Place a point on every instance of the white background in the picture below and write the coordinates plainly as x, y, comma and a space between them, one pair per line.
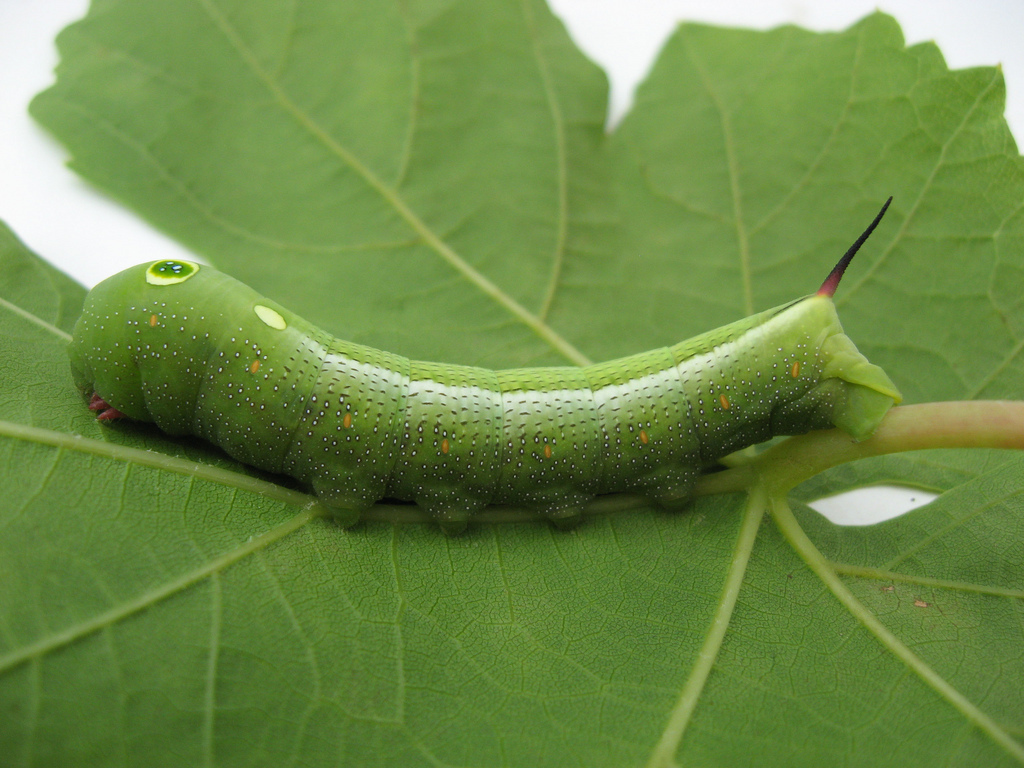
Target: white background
90, 236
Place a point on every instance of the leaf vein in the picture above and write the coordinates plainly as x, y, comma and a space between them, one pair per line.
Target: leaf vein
732, 164
210, 694
810, 554
850, 290
394, 200
883, 574
561, 166
206, 213
147, 599
25, 314
664, 752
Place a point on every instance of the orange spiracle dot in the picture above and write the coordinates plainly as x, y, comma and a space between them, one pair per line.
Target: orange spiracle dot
643, 437
347, 421
795, 370
547, 451
255, 366
444, 445
152, 321
724, 401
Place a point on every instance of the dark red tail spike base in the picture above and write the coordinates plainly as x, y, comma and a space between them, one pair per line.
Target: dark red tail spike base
828, 288
106, 411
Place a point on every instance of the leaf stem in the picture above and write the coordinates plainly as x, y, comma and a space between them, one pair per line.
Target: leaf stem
956, 424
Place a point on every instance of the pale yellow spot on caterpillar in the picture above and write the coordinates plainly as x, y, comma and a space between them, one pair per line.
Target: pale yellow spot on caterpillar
724, 401
643, 437
270, 317
347, 421
547, 451
255, 366
795, 370
444, 445
152, 321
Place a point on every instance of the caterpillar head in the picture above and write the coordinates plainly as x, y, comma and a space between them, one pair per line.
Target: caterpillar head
141, 344
108, 347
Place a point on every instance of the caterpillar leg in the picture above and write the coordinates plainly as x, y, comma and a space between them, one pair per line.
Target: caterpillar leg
344, 516
106, 411
563, 509
453, 521
567, 518
670, 488
674, 499
451, 511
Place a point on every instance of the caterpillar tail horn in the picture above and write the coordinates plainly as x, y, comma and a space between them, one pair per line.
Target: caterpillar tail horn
828, 288
872, 393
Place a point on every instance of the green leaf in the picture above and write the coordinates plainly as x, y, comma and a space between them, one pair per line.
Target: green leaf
435, 178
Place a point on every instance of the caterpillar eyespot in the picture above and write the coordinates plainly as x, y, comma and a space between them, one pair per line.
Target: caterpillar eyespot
351, 421
170, 272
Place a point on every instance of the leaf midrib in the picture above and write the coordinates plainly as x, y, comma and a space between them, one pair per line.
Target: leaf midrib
663, 755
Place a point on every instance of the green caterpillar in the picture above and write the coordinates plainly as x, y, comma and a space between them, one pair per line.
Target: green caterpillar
198, 353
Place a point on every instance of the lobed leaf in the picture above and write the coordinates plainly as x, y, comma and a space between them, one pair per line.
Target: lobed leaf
434, 177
